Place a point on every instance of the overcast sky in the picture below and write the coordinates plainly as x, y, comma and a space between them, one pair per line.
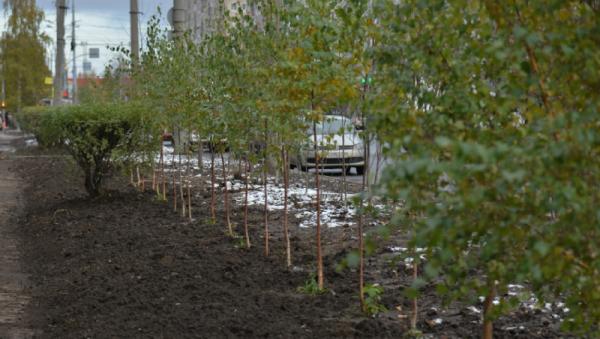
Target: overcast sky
99, 23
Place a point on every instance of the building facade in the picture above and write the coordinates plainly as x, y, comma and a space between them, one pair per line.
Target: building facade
203, 17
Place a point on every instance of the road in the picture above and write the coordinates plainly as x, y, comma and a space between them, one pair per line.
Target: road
337, 173
373, 167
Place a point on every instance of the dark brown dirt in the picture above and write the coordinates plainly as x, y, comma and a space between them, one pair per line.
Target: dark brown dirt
127, 266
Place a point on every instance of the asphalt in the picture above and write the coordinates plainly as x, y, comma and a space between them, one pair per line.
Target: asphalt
375, 165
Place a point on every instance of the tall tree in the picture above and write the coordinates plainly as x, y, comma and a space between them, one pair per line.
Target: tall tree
23, 54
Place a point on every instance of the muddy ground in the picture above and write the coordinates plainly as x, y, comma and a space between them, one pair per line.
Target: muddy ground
127, 266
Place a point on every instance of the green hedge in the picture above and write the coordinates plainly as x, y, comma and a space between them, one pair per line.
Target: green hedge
94, 134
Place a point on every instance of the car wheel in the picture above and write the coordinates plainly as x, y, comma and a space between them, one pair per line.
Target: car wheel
348, 170
360, 170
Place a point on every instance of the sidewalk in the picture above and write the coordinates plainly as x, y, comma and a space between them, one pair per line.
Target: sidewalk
13, 281
8, 141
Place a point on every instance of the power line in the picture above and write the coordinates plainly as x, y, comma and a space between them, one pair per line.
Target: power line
103, 26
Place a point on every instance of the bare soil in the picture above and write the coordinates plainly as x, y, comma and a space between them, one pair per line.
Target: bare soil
127, 266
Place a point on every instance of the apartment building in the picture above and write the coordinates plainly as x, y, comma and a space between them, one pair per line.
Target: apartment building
202, 17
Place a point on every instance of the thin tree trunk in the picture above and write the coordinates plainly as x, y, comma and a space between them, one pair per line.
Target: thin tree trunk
361, 245
153, 177
201, 156
286, 183
247, 170
139, 181
228, 219
266, 211
344, 168
361, 263
320, 278
212, 186
378, 161
201, 165
183, 203
415, 306
174, 185
367, 171
189, 196
488, 326
189, 185
161, 165
163, 176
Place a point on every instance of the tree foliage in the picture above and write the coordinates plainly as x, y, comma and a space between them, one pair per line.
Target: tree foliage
23, 54
488, 112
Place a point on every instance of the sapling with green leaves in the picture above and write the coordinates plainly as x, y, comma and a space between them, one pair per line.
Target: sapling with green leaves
321, 80
494, 149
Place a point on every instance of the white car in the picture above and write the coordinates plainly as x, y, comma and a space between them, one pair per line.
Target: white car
338, 145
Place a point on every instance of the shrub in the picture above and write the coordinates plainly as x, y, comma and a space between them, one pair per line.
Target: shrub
93, 134
30, 119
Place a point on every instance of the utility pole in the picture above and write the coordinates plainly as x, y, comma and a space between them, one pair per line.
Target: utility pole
60, 50
84, 46
3, 85
135, 39
73, 45
179, 18
179, 9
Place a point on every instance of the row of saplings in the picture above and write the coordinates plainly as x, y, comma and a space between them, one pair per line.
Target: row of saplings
102, 137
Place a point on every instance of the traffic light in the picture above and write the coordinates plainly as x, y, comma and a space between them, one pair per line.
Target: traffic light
366, 80
2, 104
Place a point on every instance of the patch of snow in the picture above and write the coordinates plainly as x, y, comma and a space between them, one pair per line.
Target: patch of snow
474, 309
300, 202
404, 249
31, 142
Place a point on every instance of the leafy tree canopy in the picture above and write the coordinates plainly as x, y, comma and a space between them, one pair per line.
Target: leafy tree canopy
23, 54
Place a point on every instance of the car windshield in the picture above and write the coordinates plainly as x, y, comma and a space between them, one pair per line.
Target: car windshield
333, 126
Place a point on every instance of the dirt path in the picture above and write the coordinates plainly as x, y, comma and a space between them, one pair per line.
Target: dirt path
13, 281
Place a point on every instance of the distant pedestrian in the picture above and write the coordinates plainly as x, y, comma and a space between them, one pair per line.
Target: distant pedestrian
7, 120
